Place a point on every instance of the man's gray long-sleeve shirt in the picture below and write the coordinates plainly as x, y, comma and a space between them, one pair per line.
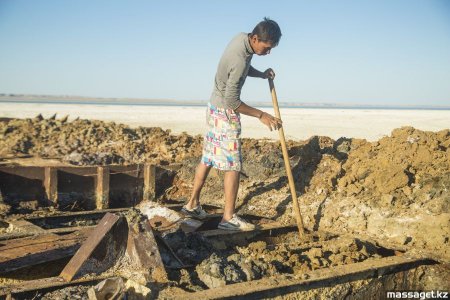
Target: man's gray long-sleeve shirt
231, 73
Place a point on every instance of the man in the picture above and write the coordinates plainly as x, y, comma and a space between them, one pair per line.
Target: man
222, 145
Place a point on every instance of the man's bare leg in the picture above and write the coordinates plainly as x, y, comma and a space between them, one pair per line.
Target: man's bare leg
201, 173
231, 186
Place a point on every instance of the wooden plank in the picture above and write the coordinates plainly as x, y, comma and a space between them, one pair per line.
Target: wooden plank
131, 170
79, 170
47, 283
26, 172
282, 285
51, 184
79, 213
91, 214
63, 230
25, 226
149, 183
95, 237
19, 253
172, 167
144, 253
33, 241
102, 188
20, 229
259, 228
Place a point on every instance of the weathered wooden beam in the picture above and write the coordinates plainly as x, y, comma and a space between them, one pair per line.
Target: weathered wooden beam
131, 170
25, 226
79, 170
149, 182
144, 253
259, 228
20, 253
63, 230
57, 221
68, 214
26, 172
280, 285
46, 284
102, 188
51, 184
85, 251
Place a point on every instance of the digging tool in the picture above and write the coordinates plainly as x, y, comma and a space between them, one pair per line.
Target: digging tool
287, 164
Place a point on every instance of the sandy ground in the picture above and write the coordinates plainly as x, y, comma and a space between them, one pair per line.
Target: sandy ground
393, 191
299, 123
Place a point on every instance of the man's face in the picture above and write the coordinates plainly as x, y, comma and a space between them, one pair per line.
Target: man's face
260, 47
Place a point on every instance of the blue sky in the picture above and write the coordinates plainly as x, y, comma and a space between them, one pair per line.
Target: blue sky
353, 52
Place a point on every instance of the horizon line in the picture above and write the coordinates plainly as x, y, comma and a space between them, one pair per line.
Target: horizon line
42, 98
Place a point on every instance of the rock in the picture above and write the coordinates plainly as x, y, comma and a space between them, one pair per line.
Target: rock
74, 158
210, 271
387, 200
38, 118
344, 147
247, 266
29, 205
4, 209
64, 119
391, 179
315, 252
354, 189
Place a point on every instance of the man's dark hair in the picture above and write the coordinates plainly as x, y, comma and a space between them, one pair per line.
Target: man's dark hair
268, 31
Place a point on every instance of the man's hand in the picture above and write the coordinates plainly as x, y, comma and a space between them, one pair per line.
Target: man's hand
270, 121
269, 73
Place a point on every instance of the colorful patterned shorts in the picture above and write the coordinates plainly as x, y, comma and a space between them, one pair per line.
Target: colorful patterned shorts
222, 143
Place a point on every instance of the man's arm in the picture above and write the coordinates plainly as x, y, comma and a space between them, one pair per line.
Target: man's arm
267, 119
232, 89
252, 72
269, 73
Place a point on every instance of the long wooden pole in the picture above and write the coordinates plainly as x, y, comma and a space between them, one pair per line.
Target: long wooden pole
287, 164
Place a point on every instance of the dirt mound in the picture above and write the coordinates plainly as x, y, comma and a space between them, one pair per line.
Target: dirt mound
86, 142
395, 189
397, 164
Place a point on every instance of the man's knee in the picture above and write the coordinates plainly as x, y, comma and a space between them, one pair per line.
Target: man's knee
232, 174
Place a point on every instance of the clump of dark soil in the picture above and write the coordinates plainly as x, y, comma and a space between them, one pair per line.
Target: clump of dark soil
218, 263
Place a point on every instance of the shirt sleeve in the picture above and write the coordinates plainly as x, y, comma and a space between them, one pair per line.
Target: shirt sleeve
233, 86
252, 72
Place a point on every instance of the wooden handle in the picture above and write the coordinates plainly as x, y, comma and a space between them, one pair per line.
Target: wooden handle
287, 164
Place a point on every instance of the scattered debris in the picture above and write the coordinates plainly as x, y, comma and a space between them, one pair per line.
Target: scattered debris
108, 289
